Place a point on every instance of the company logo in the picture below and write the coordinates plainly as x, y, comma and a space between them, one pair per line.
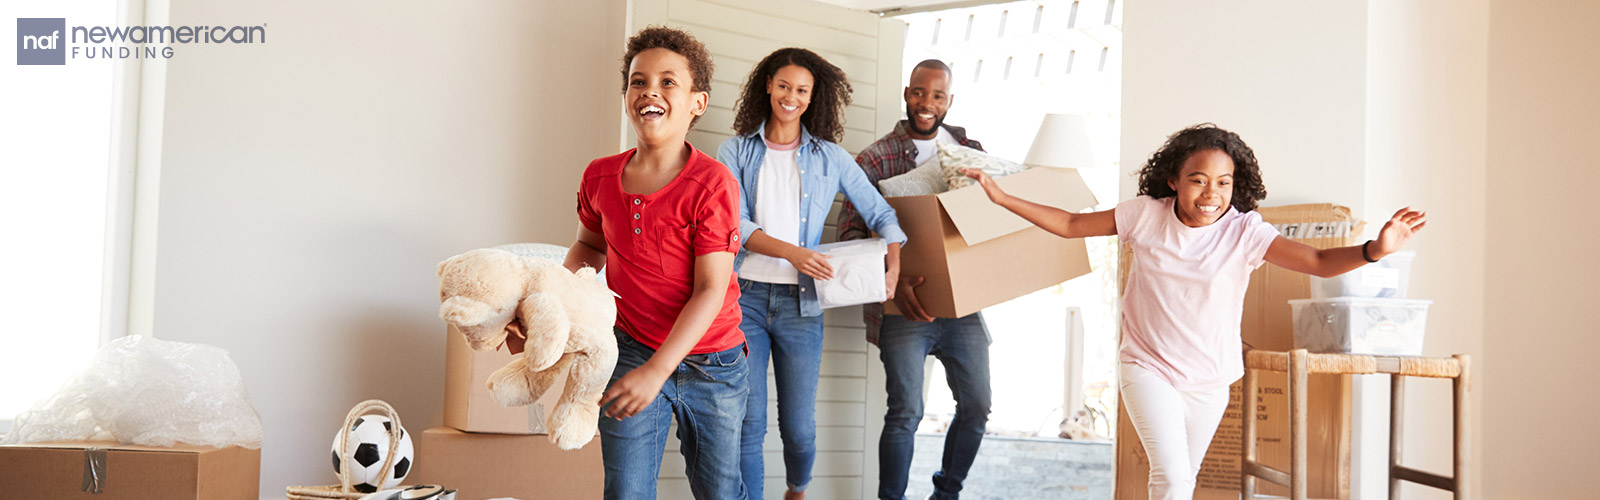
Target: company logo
48, 41
41, 41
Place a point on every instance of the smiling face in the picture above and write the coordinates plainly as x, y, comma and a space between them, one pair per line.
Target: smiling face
1204, 187
790, 92
927, 100
660, 102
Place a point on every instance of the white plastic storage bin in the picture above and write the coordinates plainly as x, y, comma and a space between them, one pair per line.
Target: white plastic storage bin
1360, 326
1387, 279
858, 273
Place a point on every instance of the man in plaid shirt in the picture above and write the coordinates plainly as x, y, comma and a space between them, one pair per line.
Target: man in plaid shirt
904, 342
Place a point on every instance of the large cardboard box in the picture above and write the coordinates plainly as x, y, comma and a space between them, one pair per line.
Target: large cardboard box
67, 470
974, 254
467, 403
483, 466
1268, 324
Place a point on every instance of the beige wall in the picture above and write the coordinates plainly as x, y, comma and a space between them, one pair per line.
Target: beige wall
1426, 106
1371, 105
310, 185
1540, 398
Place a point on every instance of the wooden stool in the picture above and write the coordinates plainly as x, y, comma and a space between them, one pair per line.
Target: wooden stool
1300, 364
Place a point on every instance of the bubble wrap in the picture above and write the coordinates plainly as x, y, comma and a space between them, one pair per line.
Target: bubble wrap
144, 391
544, 251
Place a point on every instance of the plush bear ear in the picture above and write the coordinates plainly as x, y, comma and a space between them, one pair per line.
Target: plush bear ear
440, 270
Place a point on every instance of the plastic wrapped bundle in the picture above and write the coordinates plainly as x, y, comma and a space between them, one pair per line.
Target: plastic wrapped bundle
544, 251
144, 391
858, 273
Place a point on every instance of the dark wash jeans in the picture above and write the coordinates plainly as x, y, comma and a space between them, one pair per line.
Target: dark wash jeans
962, 345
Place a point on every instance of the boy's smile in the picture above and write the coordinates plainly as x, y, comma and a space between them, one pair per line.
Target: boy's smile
661, 99
1204, 187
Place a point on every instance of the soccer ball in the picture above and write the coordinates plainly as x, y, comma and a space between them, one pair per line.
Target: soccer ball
367, 446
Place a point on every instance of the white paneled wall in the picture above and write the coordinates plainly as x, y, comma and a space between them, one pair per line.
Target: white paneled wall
868, 49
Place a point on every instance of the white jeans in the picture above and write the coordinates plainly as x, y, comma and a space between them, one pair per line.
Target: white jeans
1175, 427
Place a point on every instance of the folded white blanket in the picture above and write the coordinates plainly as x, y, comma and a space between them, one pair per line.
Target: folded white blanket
858, 273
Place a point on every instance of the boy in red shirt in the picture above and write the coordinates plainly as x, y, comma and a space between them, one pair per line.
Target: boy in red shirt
665, 217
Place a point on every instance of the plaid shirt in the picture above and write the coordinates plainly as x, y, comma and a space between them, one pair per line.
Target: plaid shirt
892, 155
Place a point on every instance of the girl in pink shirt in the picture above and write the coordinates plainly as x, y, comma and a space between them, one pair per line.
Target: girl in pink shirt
1196, 237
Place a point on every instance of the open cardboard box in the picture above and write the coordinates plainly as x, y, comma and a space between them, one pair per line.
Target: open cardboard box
483, 466
467, 403
974, 254
1268, 323
59, 470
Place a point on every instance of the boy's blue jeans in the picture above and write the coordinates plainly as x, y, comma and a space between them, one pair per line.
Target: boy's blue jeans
962, 344
707, 393
774, 327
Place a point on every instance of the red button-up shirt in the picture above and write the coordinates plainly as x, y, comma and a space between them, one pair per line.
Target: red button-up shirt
653, 239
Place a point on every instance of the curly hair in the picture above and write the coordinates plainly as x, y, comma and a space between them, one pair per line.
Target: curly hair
677, 41
830, 94
1167, 162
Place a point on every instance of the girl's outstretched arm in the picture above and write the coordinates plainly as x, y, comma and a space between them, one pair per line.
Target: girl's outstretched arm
1330, 262
1057, 221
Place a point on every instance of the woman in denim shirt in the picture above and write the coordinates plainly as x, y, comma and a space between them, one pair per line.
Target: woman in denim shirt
789, 167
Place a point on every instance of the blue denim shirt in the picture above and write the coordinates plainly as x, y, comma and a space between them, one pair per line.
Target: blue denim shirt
825, 170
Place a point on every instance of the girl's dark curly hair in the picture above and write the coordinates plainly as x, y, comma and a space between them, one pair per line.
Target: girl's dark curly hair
1167, 162
830, 94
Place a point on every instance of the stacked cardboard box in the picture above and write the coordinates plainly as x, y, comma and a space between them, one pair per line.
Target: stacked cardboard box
490, 451
1268, 324
112, 471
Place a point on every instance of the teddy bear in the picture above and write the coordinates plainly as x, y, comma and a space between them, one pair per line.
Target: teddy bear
494, 296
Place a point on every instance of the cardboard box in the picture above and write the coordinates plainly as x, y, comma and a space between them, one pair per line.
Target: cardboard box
483, 466
467, 403
60, 470
961, 243
1268, 324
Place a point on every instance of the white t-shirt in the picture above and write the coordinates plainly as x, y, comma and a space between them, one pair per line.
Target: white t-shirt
777, 212
927, 151
1185, 293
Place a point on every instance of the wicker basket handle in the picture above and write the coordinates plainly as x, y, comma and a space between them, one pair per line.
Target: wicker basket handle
363, 408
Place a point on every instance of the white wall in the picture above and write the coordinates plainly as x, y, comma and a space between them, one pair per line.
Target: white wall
1537, 382
310, 185
1371, 105
1288, 77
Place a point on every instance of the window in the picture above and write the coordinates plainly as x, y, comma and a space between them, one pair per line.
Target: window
1035, 386
56, 158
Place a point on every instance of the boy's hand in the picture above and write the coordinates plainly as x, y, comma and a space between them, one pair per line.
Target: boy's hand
996, 195
633, 392
907, 301
1398, 230
813, 264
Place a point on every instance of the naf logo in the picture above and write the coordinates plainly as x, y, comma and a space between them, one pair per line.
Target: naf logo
41, 41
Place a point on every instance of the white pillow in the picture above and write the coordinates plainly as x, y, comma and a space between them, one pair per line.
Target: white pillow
955, 157
926, 179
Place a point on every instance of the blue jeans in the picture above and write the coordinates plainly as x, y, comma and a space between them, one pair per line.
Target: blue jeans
962, 344
773, 326
707, 394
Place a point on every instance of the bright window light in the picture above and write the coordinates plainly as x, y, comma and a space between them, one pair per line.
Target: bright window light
54, 166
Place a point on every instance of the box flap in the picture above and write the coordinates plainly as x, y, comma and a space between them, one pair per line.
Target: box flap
979, 220
115, 446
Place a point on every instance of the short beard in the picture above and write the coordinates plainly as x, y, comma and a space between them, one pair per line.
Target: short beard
911, 123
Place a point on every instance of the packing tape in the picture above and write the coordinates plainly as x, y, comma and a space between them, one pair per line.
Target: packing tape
94, 470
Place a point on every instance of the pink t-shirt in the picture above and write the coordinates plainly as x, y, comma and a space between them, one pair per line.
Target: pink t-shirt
1185, 293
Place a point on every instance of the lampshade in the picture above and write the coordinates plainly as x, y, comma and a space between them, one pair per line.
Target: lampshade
1062, 142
